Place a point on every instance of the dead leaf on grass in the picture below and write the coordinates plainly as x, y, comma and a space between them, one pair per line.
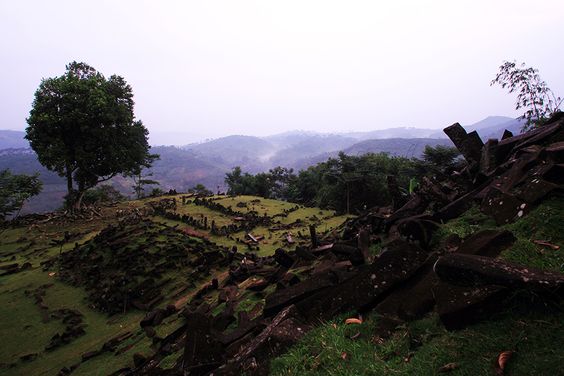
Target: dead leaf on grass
448, 367
355, 336
502, 360
353, 321
547, 244
377, 340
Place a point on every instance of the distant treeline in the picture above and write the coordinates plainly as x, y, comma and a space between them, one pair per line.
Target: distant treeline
346, 183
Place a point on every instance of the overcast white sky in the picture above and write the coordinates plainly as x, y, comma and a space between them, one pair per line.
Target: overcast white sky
211, 68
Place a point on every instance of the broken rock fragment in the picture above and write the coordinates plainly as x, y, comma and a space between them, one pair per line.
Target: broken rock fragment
471, 270
399, 262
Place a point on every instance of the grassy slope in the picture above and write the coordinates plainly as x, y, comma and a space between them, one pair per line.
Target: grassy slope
422, 347
21, 323
24, 333
535, 336
326, 220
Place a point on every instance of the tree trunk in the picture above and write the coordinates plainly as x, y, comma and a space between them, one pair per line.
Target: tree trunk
69, 180
78, 202
71, 194
348, 198
79, 195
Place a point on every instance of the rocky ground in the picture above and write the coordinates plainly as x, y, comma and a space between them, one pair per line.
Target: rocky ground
464, 276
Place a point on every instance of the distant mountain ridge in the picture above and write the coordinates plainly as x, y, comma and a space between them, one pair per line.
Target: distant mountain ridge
12, 140
208, 162
492, 126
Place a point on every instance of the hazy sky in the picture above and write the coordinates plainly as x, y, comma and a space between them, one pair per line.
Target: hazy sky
209, 68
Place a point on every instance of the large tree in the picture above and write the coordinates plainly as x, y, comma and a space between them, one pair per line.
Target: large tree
82, 126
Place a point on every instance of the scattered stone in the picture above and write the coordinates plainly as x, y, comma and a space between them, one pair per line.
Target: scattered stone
305, 254
399, 262
202, 352
139, 360
313, 236
364, 244
283, 258
471, 270
486, 243
459, 306
280, 299
89, 355
74, 328
28, 357
347, 252
119, 272
469, 144
284, 330
414, 298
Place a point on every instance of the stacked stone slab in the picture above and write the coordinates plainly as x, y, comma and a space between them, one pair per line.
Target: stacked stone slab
462, 280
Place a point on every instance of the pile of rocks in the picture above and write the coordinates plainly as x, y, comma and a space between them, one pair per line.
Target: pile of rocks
461, 279
125, 265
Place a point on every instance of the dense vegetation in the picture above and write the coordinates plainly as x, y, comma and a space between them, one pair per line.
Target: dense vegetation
346, 184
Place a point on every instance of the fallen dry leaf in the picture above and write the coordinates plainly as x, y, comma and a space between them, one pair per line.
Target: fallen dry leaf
355, 336
52, 274
547, 244
344, 355
353, 321
334, 326
377, 340
448, 367
503, 358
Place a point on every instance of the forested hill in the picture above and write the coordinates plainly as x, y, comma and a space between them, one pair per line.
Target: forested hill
182, 169
12, 140
207, 163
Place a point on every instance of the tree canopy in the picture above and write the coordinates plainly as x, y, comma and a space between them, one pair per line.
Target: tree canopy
82, 126
346, 183
271, 184
440, 156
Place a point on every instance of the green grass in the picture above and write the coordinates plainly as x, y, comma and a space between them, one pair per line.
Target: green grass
324, 221
425, 343
21, 324
542, 223
169, 361
422, 347
467, 224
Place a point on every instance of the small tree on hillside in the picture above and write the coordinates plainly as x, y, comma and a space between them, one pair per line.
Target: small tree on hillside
82, 126
440, 156
239, 183
200, 190
140, 180
102, 194
15, 190
533, 94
